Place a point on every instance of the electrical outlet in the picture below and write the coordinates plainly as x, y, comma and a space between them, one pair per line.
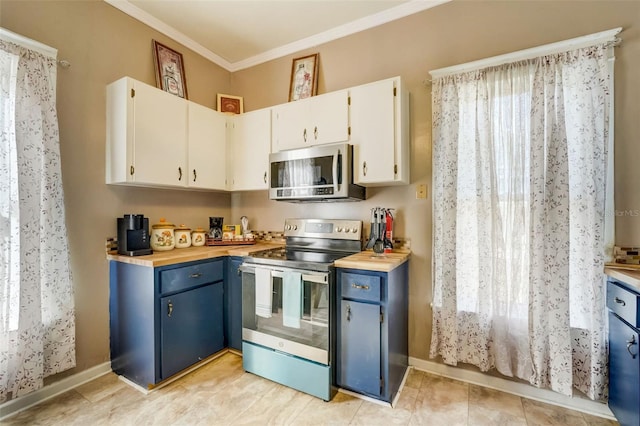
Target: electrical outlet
421, 191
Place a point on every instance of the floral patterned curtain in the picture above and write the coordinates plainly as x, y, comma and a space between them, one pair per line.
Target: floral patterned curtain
520, 161
37, 322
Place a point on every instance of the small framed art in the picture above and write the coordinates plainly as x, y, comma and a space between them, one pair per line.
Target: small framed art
304, 77
230, 104
169, 70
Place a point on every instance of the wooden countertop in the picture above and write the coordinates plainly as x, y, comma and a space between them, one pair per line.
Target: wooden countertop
369, 261
170, 257
631, 277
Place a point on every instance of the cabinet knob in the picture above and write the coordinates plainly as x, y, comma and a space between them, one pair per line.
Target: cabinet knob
364, 168
632, 342
179, 173
619, 301
169, 308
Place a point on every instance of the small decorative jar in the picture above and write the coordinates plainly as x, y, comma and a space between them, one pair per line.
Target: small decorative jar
198, 237
162, 236
183, 236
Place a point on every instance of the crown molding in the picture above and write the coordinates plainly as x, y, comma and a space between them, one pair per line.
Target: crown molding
144, 17
400, 11
405, 9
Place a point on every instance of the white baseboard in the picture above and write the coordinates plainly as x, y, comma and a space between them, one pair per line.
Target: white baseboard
14, 406
521, 389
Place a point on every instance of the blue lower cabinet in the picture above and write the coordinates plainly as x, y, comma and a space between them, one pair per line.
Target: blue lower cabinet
624, 356
233, 303
164, 319
191, 327
372, 331
359, 362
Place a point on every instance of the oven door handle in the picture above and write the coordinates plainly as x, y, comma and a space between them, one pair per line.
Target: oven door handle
320, 278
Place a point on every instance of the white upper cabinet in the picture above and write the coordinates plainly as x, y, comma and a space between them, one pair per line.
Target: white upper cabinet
146, 133
249, 144
206, 147
312, 121
380, 133
155, 138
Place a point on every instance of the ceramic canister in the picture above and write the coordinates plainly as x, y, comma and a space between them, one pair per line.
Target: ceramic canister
183, 236
162, 236
198, 237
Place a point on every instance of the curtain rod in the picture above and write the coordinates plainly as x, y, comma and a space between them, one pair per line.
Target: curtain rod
23, 41
547, 49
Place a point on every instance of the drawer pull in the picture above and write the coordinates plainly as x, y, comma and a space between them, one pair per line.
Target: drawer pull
632, 342
169, 308
196, 275
619, 301
360, 286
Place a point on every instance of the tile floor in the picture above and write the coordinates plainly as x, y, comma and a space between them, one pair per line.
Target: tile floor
221, 393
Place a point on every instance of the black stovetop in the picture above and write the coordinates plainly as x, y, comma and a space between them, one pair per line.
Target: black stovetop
296, 258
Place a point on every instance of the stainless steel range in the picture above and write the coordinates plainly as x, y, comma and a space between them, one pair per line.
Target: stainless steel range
288, 304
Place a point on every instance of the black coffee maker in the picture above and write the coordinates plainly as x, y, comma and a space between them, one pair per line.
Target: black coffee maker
133, 235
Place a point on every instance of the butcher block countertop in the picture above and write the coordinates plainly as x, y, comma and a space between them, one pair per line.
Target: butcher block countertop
369, 261
170, 257
631, 277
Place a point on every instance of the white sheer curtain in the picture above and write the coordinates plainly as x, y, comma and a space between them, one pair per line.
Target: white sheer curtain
37, 323
520, 163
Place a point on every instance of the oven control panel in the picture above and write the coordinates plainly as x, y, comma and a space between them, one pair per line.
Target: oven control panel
323, 228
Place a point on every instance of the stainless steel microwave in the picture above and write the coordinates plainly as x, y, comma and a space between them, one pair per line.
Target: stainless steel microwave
319, 173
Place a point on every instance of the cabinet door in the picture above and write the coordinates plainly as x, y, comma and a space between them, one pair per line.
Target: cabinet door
373, 132
251, 145
359, 360
290, 125
234, 304
329, 118
160, 134
313, 121
206, 148
624, 372
191, 327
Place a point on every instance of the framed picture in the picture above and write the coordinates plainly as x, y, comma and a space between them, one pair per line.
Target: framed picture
304, 77
230, 104
169, 70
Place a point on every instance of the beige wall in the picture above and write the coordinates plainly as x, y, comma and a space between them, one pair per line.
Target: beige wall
103, 44
447, 35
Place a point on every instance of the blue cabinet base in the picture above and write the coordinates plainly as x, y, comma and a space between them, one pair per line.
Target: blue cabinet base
291, 371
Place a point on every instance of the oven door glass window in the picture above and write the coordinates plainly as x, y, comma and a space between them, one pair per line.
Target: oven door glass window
287, 310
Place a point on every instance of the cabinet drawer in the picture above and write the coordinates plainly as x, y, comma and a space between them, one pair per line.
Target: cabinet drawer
189, 276
361, 287
623, 302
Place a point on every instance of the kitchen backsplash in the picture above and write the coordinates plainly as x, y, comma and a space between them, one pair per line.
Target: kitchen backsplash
111, 245
627, 255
